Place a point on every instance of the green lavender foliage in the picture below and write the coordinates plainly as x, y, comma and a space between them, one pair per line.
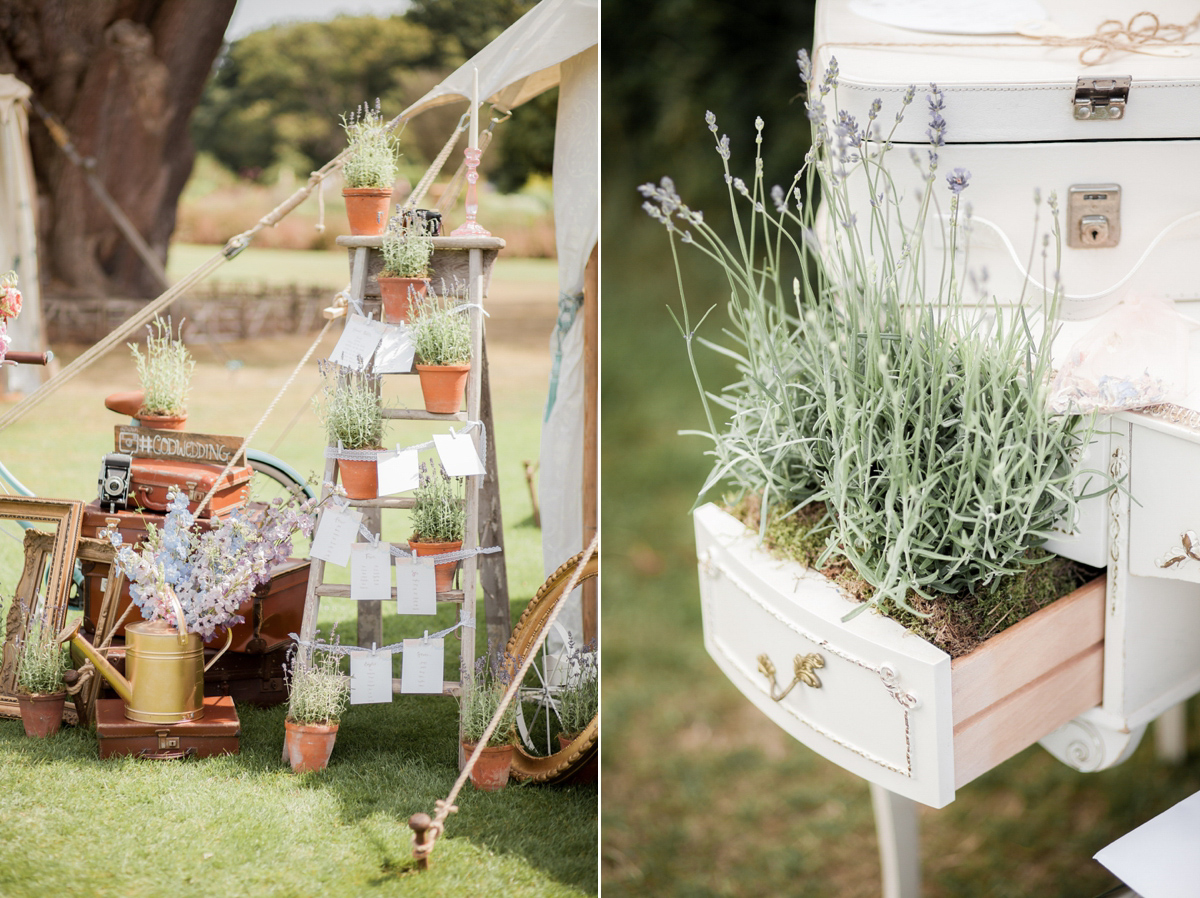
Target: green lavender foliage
867, 384
374, 149
479, 703
319, 691
406, 253
438, 512
441, 332
350, 408
579, 699
165, 370
43, 661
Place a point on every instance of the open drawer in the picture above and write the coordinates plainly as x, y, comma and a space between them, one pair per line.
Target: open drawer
870, 696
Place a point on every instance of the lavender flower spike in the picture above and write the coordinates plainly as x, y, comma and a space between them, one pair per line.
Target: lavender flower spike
958, 180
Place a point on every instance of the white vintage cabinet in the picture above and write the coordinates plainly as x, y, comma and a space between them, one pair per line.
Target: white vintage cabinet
1118, 143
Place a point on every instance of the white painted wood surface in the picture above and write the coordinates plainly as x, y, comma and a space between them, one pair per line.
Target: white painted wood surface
898, 831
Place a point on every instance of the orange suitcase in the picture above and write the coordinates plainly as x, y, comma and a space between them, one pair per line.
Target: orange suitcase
152, 478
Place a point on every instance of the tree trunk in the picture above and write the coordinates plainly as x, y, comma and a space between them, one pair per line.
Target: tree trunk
123, 77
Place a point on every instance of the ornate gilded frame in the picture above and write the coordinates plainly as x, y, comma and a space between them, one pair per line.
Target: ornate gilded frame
49, 563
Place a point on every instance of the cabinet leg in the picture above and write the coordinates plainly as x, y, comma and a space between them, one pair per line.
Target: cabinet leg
1170, 735
899, 843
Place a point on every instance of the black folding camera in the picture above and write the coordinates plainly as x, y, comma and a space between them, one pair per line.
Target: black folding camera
426, 221
115, 474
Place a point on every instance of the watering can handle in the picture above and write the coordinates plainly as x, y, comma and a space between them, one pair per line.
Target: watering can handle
224, 648
180, 617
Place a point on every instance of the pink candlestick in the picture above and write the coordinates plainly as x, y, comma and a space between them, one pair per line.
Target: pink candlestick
470, 227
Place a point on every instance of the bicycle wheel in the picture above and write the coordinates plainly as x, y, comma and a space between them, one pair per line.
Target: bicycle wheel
273, 478
537, 696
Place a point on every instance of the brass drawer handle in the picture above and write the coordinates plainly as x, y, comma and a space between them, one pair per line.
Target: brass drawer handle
804, 665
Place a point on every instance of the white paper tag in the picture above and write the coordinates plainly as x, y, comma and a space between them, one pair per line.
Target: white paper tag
416, 592
357, 343
395, 352
398, 471
421, 668
370, 572
458, 454
370, 677
336, 532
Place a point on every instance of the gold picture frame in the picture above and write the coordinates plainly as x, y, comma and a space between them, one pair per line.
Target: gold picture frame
45, 579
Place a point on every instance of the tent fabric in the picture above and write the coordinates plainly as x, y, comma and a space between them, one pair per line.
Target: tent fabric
524, 60
576, 230
18, 232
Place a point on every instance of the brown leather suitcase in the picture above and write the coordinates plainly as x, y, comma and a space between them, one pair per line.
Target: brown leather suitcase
152, 478
253, 679
216, 733
276, 609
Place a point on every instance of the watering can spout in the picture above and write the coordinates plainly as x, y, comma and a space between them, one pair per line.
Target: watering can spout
72, 635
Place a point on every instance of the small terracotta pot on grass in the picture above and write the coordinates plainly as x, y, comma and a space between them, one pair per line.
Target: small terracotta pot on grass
360, 478
399, 296
443, 573
490, 773
307, 746
42, 715
367, 209
443, 387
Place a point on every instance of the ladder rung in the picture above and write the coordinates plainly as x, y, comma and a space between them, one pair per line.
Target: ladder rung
342, 591
383, 502
419, 414
449, 687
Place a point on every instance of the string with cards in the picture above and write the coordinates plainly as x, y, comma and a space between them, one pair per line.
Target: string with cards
337, 648
472, 465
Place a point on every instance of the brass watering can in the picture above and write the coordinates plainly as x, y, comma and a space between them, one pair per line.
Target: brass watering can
164, 668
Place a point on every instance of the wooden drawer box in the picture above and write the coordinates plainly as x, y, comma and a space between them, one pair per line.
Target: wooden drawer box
890, 707
1166, 501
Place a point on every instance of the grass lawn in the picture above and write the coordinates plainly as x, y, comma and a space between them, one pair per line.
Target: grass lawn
245, 825
703, 796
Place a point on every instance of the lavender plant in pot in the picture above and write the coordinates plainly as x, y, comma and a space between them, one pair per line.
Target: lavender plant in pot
442, 340
165, 372
478, 705
41, 694
352, 413
405, 275
369, 170
319, 695
438, 519
893, 444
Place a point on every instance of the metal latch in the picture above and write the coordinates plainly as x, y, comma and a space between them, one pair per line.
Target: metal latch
1101, 99
1093, 215
166, 741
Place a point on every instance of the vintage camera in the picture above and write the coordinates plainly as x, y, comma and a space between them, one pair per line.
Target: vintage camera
115, 475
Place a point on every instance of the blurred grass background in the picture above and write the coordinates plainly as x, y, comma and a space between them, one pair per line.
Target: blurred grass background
701, 794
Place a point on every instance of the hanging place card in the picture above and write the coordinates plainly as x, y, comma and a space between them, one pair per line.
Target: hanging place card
416, 592
335, 535
370, 572
458, 455
370, 677
357, 343
395, 353
398, 471
422, 667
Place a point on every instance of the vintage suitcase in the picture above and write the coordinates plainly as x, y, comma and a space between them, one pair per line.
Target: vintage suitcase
275, 611
1022, 115
152, 478
216, 733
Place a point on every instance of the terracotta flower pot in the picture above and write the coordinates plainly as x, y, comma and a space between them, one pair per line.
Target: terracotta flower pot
443, 387
360, 479
307, 746
443, 573
367, 209
162, 422
42, 714
490, 773
399, 295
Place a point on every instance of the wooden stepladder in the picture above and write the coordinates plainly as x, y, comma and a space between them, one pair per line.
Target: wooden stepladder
460, 268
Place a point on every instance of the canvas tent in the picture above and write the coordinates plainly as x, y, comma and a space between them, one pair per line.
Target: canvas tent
554, 43
18, 232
